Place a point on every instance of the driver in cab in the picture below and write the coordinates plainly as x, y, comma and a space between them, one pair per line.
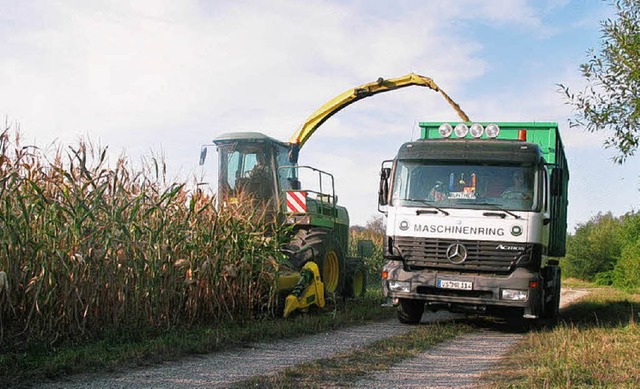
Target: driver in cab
260, 181
519, 190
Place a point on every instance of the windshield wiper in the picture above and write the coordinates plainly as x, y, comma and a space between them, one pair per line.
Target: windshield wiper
430, 204
497, 207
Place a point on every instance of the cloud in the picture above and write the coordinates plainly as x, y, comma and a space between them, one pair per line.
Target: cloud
130, 72
173, 75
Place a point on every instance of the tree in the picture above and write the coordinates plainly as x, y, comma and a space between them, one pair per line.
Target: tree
626, 274
594, 248
611, 100
377, 225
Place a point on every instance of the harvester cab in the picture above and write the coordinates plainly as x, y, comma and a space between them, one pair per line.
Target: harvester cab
267, 171
249, 162
255, 167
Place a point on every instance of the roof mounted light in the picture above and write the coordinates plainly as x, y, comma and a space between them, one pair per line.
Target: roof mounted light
476, 130
461, 130
492, 131
445, 130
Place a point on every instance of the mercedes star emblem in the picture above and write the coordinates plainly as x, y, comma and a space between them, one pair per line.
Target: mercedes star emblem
456, 253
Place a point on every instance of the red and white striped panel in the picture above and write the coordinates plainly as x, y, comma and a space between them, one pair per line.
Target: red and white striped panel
297, 202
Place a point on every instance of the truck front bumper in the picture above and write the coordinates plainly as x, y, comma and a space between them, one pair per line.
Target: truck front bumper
465, 292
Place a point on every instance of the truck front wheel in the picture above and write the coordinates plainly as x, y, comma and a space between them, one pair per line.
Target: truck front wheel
410, 311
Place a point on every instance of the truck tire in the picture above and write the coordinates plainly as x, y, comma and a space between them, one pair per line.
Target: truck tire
410, 311
356, 285
552, 307
322, 247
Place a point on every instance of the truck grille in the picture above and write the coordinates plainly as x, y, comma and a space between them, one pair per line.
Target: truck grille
481, 256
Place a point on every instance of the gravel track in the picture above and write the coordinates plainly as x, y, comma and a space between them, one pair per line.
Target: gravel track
221, 369
457, 363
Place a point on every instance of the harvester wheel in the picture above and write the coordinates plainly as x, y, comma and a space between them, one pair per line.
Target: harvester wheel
357, 281
297, 257
322, 247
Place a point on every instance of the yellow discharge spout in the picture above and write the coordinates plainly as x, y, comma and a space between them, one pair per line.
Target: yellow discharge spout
299, 138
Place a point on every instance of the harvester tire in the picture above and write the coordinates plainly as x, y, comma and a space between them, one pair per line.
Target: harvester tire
410, 311
356, 285
322, 247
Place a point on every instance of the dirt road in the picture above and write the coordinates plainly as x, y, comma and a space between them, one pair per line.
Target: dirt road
457, 363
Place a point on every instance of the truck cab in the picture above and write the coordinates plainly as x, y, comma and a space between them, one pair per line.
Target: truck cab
473, 218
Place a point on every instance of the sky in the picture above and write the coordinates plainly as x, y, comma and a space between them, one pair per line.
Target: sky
165, 77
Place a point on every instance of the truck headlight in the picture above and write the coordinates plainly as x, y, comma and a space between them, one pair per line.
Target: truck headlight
399, 286
514, 294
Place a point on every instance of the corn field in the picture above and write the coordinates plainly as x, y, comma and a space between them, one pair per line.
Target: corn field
374, 263
86, 249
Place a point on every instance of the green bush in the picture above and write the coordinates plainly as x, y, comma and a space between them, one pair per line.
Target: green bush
594, 248
627, 272
606, 250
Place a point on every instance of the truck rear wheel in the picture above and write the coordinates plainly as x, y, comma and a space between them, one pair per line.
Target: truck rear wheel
322, 247
410, 311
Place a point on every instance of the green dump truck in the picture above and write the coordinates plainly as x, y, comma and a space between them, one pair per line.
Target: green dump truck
476, 213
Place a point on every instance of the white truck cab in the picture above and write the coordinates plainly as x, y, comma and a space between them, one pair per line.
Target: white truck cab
473, 219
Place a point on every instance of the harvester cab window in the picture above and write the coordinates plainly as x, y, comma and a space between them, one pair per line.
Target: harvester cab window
287, 174
247, 168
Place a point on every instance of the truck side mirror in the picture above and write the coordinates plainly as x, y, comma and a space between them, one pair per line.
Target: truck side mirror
383, 191
203, 155
556, 182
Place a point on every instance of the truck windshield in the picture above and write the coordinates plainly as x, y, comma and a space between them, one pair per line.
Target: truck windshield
474, 186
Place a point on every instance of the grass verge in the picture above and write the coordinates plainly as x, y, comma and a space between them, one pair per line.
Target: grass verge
346, 368
129, 349
596, 345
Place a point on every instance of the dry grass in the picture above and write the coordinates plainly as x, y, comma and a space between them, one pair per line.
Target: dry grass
596, 346
576, 283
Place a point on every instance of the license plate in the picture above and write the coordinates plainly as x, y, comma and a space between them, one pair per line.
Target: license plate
451, 284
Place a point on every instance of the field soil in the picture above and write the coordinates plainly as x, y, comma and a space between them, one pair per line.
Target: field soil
456, 363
